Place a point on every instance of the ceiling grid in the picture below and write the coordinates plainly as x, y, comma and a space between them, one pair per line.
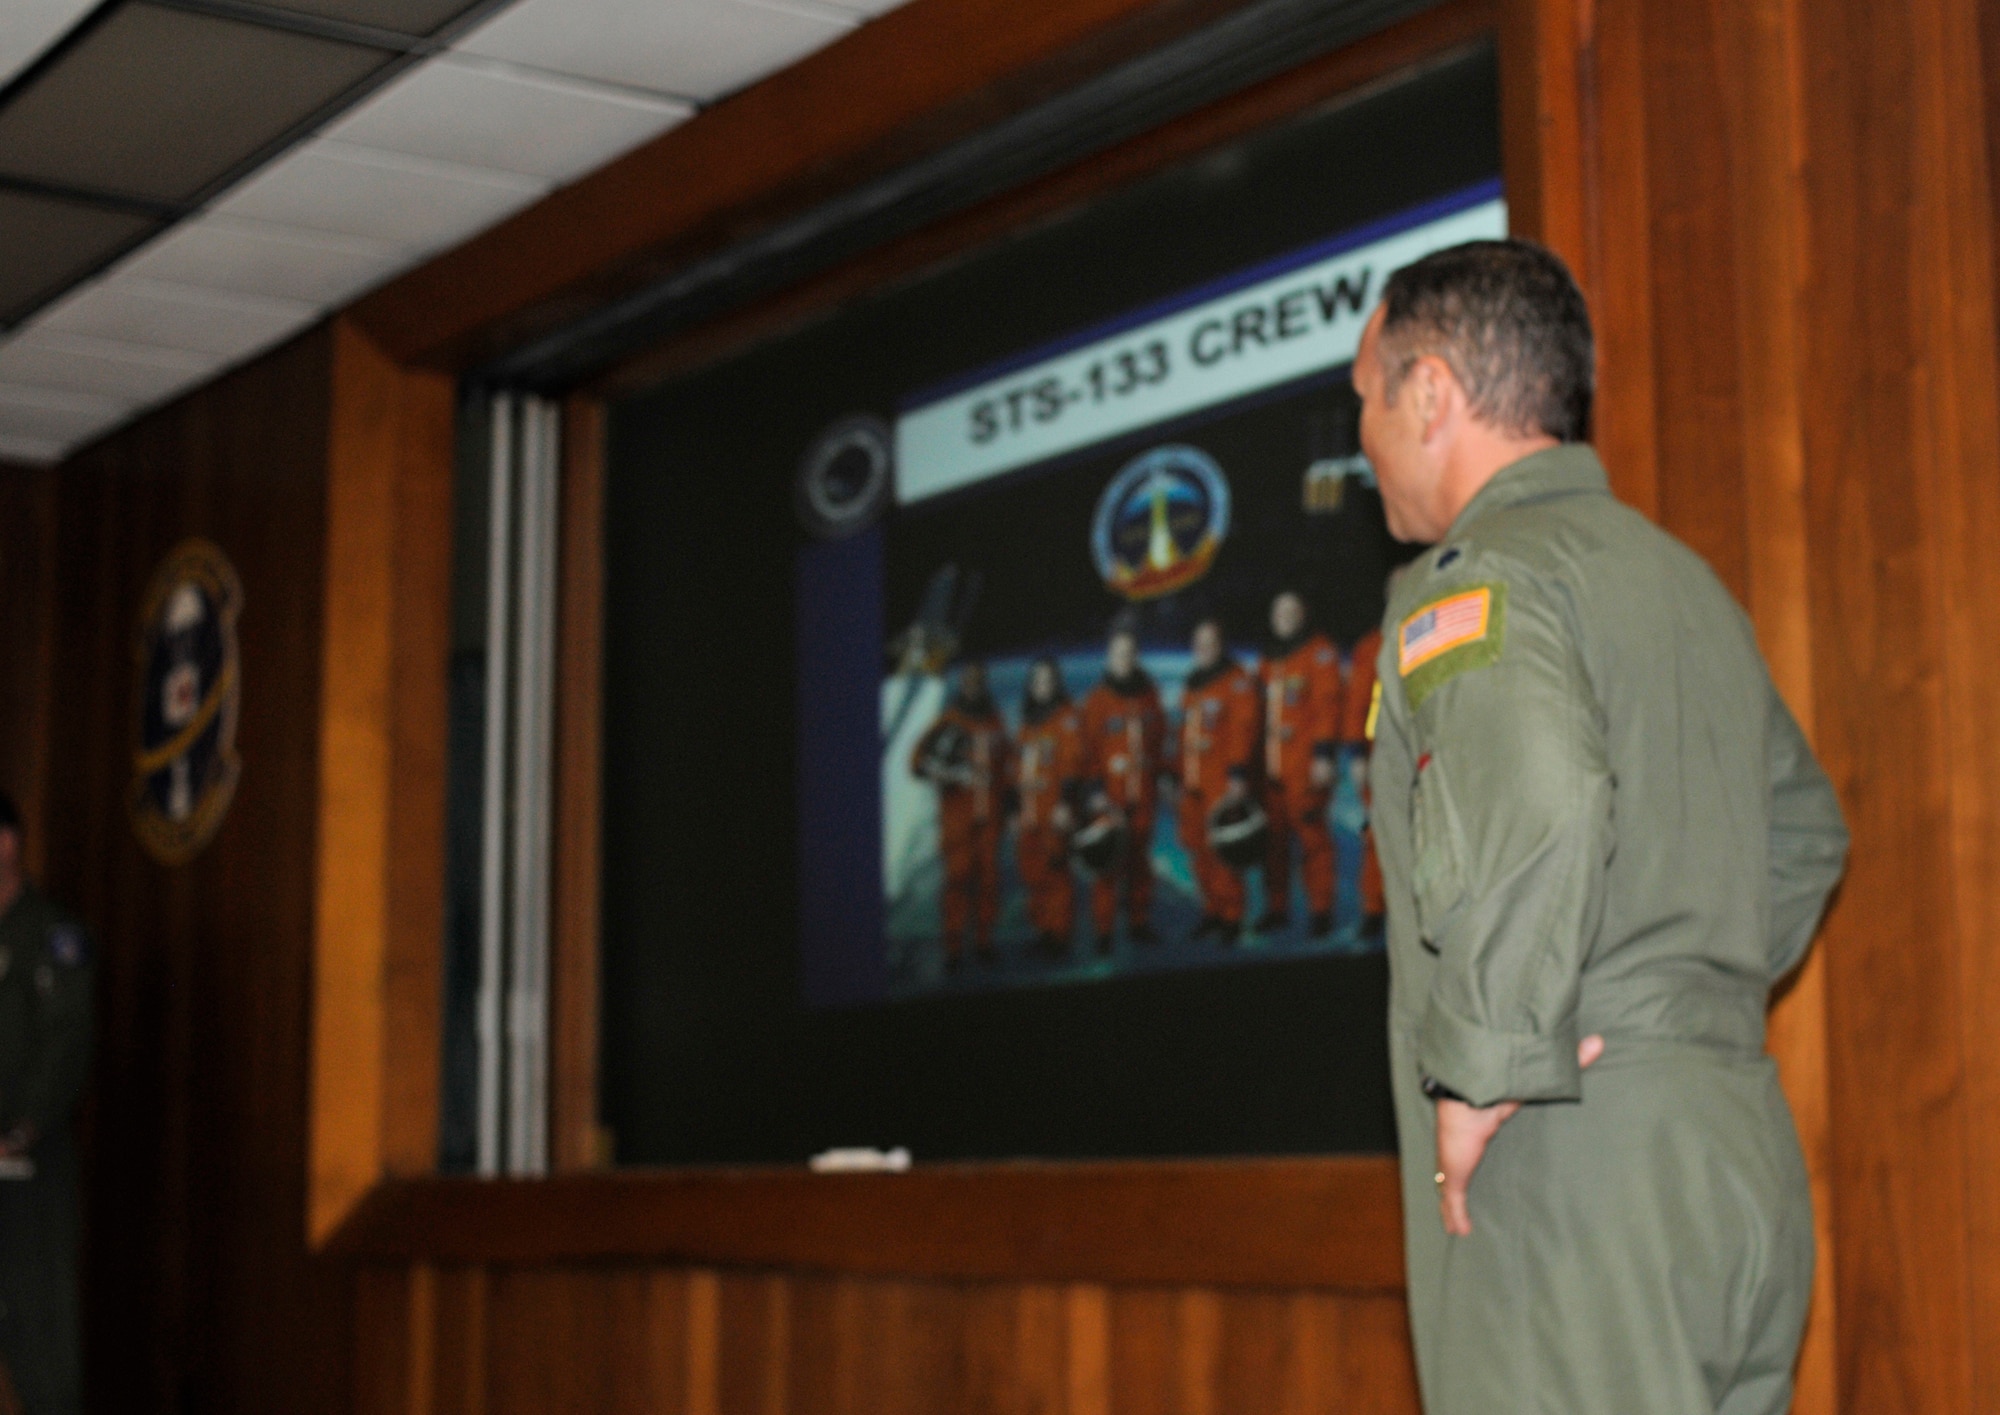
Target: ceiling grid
185, 183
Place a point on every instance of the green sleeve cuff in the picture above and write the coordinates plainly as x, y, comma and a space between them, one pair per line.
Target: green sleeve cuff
1488, 1066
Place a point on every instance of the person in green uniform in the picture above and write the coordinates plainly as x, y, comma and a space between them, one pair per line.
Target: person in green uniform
1604, 839
45, 1007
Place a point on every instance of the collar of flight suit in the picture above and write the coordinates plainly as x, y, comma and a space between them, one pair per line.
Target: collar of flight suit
1555, 471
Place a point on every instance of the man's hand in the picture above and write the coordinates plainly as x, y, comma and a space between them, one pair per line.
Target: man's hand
1463, 1133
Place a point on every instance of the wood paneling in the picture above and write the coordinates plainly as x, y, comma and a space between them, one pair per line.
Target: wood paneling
670, 1341
576, 1141
1620, 232
27, 609
379, 906
1328, 1223
1902, 459
199, 1292
1544, 124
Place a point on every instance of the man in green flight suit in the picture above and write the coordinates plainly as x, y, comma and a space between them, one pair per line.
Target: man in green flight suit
45, 1005
1604, 838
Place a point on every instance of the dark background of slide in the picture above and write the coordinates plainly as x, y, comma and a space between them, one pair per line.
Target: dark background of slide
711, 1053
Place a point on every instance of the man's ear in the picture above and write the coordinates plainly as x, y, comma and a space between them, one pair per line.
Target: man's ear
1440, 399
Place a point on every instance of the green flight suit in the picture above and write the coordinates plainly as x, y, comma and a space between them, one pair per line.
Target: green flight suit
45, 1024
1595, 815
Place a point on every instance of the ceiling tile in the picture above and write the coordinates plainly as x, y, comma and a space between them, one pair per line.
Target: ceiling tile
844, 12
489, 115
176, 316
870, 8
161, 104
319, 268
48, 243
50, 415
413, 17
133, 373
31, 451
410, 202
27, 27
697, 49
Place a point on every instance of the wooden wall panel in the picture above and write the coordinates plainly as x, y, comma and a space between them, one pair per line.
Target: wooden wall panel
27, 607
576, 1140
675, 1341
1332, 1223
379, 894
1902, 463
199, 1292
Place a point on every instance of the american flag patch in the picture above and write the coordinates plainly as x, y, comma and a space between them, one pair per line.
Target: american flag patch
1442, 626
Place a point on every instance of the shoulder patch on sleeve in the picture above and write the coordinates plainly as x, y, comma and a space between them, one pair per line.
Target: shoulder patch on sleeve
69, 945
1450, 635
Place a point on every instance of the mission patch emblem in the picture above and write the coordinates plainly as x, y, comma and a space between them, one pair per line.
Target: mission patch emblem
846, 477
1160, 522
184, 764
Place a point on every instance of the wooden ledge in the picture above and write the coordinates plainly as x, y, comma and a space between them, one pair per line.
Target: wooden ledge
1328, 1223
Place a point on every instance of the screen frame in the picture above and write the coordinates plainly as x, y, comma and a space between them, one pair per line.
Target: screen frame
1058, 1213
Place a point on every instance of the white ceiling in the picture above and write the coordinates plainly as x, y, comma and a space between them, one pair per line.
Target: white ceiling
27, 27
542, 93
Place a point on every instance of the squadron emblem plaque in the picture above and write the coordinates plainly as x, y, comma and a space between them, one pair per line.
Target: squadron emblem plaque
184, 765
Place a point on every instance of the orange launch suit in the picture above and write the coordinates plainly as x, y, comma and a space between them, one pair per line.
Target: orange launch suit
1049, 758
971, 801
1357, 698
1218, 742
1124, 736
1301, 725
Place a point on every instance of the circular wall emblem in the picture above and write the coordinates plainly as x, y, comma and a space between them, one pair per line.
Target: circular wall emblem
184, 768
844, 479
1160, 522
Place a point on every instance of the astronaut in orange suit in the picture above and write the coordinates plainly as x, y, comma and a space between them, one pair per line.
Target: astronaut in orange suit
1357, 700
1301, 681
1216, 762
1048, 774
1124, 736
967, 756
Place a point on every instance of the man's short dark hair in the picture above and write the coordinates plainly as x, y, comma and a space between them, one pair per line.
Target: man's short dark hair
1508, 318
10, 814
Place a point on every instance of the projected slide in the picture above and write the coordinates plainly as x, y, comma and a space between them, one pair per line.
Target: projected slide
1127, 578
